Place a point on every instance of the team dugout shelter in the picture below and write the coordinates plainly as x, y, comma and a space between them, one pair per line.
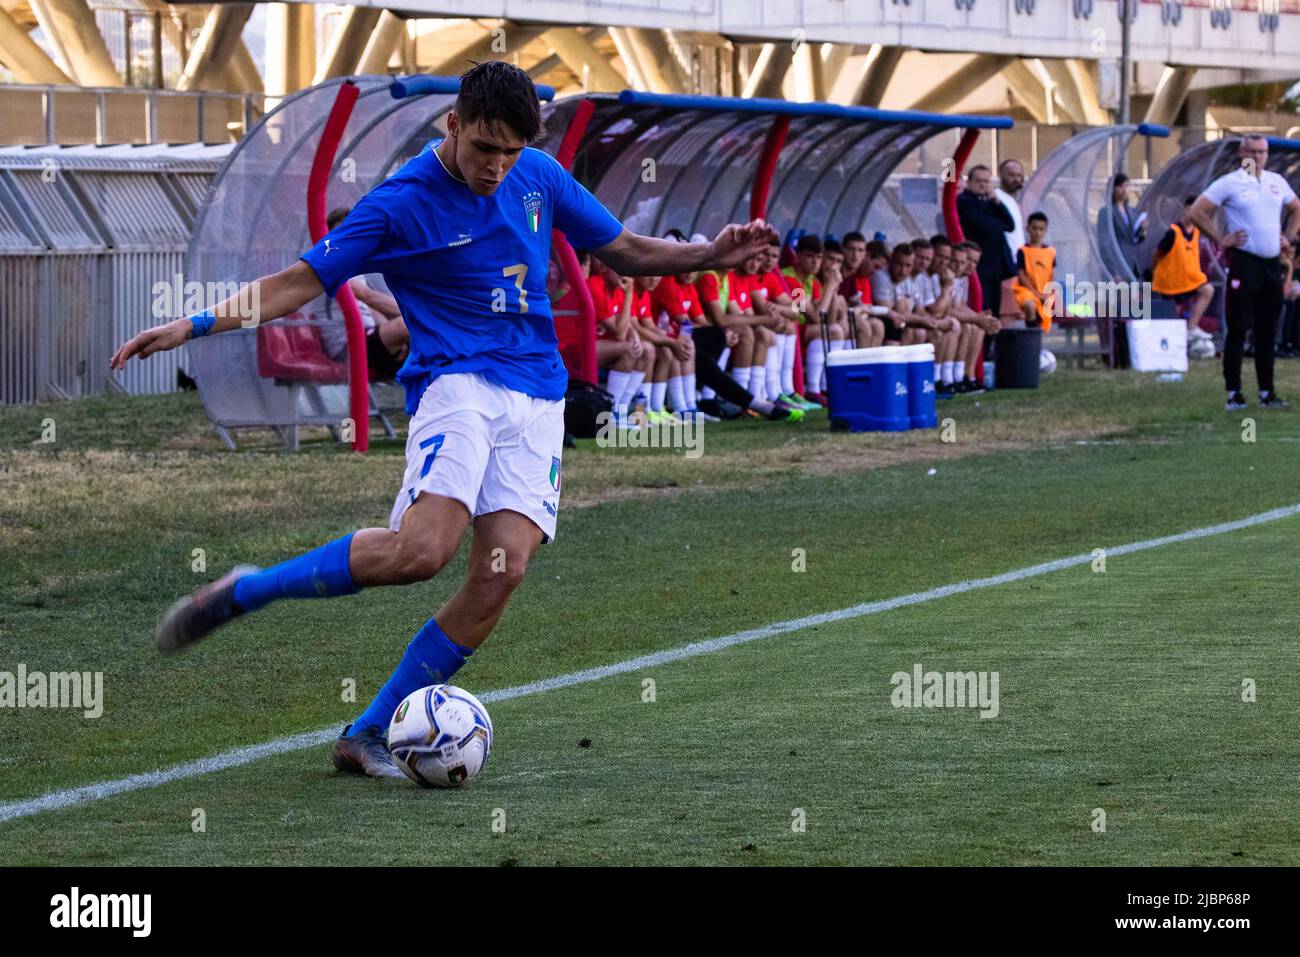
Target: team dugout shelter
694, 163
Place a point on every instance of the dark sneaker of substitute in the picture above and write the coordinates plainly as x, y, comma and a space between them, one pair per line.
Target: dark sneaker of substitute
200, 613
1271, 400
1236, 402
365, 752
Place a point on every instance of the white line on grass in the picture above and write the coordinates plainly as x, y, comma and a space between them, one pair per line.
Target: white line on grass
73, 797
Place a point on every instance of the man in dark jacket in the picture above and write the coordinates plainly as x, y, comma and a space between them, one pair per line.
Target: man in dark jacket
986, 222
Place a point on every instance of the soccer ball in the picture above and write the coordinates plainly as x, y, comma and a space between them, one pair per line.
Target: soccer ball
1046, 362
1198, 348
440, 736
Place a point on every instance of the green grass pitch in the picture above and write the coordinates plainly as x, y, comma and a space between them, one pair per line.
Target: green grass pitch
1119, 691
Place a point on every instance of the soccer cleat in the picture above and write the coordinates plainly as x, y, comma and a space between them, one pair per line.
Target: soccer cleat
1274, 401
973, 387
819, 398
782, 414
365, 752
1236, 402
200, 613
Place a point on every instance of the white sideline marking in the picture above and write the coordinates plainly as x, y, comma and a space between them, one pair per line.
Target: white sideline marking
72, 797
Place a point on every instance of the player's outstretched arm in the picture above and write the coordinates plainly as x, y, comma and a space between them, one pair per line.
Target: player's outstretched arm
634, 255
274, 296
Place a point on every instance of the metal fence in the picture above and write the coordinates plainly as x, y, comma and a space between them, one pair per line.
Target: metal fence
86, 236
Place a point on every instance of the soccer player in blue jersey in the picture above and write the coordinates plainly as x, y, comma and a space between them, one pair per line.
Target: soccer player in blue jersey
462, 236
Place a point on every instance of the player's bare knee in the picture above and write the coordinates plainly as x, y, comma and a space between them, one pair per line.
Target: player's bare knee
418, 561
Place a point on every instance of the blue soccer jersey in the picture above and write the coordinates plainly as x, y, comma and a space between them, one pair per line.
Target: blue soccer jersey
469, 271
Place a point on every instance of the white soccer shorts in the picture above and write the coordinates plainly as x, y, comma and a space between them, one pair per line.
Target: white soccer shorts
488, 447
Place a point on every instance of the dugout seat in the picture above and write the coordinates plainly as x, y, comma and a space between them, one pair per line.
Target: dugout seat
289, 351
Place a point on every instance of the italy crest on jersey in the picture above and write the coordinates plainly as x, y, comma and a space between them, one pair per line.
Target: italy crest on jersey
533, 210
555, 473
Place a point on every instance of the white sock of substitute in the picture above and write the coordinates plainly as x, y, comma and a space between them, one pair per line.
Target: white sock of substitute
677, 394
938, 370
616, 386
839, 345
773, 374
633, 387
959, 371
741, 376
657, 392
788, 345
688, 389
946, 373
816, 364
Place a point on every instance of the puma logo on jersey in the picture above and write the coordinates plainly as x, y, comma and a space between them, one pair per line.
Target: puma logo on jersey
464, 239
328, 250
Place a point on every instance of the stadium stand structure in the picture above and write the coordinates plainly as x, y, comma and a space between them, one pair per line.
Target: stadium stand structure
86, 233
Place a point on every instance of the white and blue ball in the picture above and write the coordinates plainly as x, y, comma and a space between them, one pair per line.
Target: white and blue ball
440, 736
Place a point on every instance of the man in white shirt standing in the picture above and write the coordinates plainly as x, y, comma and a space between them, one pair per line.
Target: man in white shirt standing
1252, 199
1011, 180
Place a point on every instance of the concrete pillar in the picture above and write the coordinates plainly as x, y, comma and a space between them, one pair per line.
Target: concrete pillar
1084, 75
980, 69
1171, 92
767, 78
1030, 91
241, 74
23, 57
577, 52
210, 56
79, 47
347, 43
290, 47
877, 71
630, 54
658, 62
383, 41
828, 65
498, 41
1068, 100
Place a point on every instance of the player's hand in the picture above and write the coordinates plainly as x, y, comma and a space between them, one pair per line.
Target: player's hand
736, 243
679, 348
158, 339
733, 338
626, 283
1234, 239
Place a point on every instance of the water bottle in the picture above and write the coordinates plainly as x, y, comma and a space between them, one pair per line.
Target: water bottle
988, 374
1170, 377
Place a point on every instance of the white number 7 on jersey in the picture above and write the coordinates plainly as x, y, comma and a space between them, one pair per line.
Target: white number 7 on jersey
518, 271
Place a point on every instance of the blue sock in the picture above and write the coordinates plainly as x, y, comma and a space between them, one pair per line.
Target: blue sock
322, 573
430, 659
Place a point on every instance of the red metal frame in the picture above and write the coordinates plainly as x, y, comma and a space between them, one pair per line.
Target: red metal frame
568, 259
952, 223
322, 163
767, 167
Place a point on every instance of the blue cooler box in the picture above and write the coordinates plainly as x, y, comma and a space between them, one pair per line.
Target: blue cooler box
920, 386
868, 390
